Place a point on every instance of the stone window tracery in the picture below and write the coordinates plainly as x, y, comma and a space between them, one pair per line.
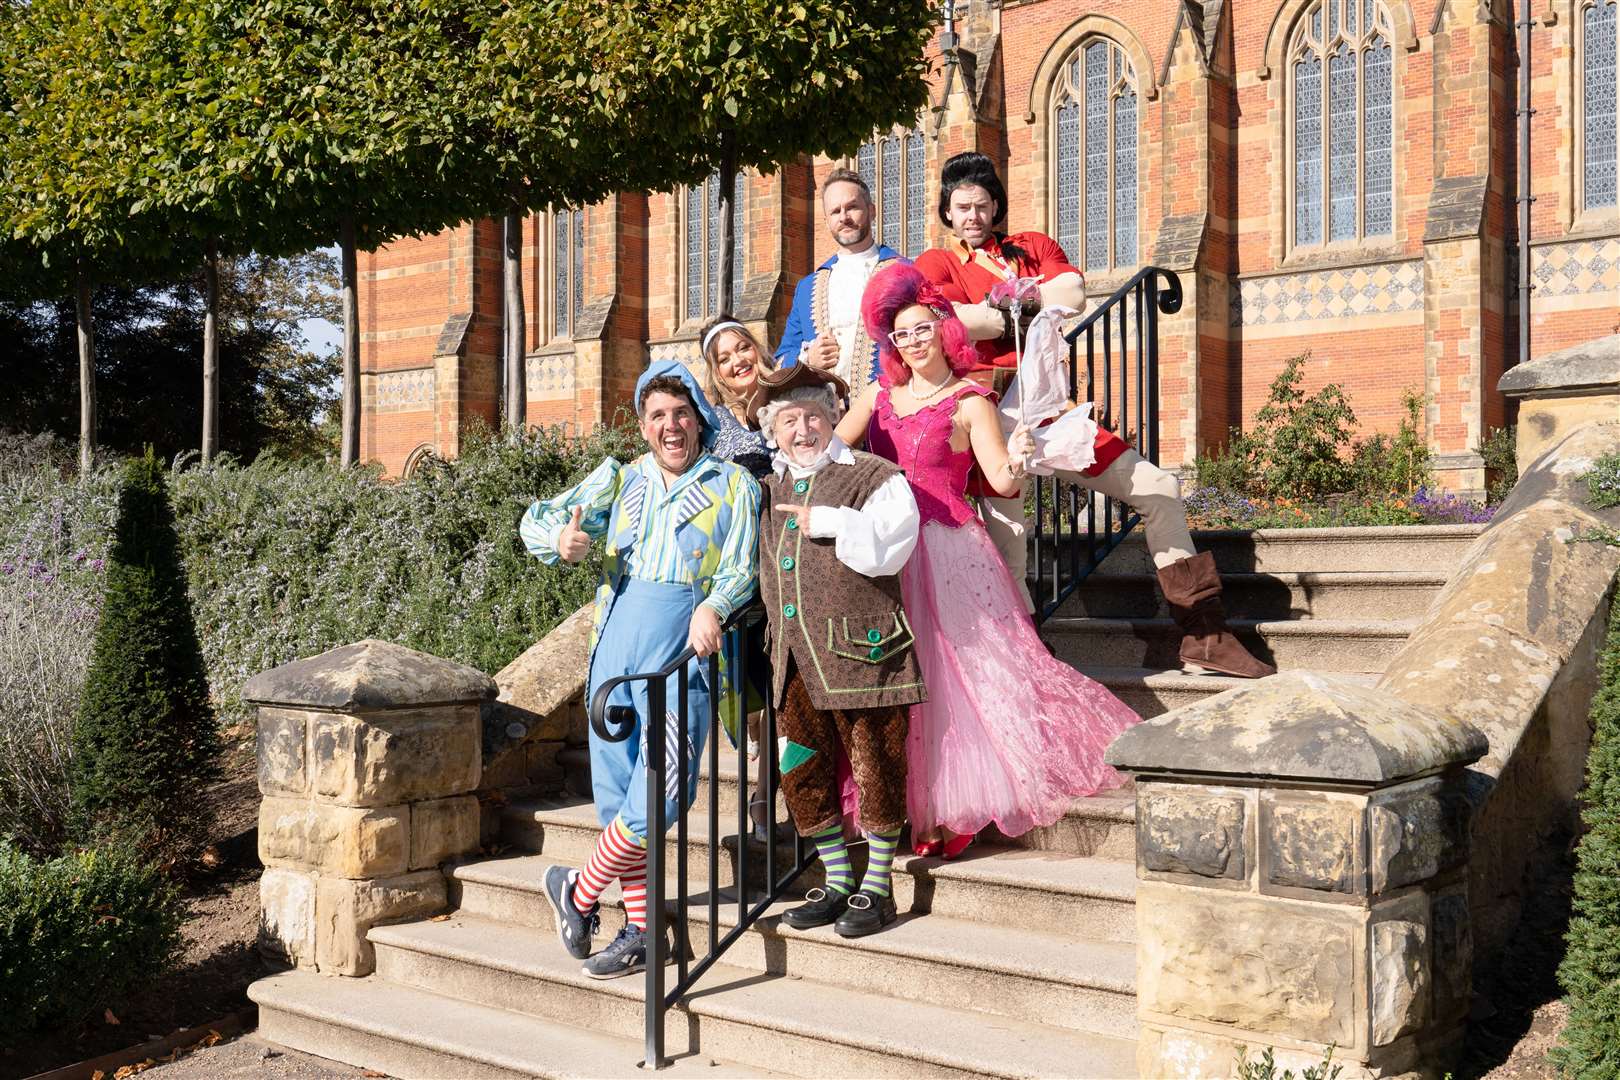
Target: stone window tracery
567, 270
1096, 136
1600, 151
895, 168
700, 246
1341, 85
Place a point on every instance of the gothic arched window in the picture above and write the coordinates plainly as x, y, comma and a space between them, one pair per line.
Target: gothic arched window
567, 270
895, 168
700, 250
1600, 153
1342, 94
1095, 125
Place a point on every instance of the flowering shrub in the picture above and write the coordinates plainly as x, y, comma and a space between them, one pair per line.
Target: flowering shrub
53, 540
1216, 508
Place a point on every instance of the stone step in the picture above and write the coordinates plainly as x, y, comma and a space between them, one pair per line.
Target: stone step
1430, 549
1094, 898
406, 1032
1152, 691
739, 1014
1320, 644
1271, 597
1010, 966
1102, 826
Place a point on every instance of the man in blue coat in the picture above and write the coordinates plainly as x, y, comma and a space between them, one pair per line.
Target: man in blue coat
824, 329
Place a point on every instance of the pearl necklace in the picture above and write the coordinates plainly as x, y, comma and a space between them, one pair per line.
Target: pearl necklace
910, 386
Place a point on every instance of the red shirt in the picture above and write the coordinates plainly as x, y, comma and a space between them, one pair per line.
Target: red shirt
965, 276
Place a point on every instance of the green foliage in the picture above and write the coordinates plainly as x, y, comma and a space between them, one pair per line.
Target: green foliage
1500, 449
145, 742
274, 387
1603, 482
1266, 1067
1231, 467
1589, 1047
76, 933
1380, 465
1299, 438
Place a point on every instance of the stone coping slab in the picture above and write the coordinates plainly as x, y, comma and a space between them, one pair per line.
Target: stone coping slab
1591, 366
1299, 726
369, 674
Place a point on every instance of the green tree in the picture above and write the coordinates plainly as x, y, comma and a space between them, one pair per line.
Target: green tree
1589, 1048
145, 740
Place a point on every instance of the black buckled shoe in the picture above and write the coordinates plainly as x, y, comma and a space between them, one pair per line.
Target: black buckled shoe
823, 906
867, 914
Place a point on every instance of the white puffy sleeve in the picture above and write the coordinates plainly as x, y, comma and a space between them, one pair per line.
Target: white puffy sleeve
876, 539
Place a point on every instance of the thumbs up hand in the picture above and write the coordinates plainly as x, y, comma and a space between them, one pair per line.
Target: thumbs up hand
572, 542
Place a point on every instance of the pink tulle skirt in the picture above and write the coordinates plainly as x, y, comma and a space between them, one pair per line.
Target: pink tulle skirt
1009, 735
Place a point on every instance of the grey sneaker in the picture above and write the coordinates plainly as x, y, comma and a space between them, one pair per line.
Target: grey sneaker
625, 955
574, 929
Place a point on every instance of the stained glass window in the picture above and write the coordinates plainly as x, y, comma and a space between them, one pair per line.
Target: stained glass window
1343, 114
895, 169
1094, 141
567, 269
702, 244
1600, 154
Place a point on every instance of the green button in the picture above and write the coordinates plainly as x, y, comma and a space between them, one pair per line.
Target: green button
874, 636
801, 486
875, 652
787, 563
789, 610
793, 523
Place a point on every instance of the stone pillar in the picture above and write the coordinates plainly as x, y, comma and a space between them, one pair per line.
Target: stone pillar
1561, 391
1301, 855
368, 758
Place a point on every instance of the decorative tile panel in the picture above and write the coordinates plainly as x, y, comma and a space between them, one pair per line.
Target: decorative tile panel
405, 391
684, 351
1388, 288
550, 376
1583, 266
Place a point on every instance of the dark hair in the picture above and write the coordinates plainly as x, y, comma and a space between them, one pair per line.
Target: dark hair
842, 175
667, 384
970, 167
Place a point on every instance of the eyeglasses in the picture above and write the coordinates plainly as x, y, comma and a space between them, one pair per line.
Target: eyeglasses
921, 334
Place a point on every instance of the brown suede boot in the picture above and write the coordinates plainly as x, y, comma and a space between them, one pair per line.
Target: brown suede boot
1193, 590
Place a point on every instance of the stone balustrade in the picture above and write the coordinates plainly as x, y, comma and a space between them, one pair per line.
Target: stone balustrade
1301, 854
369, 756
1561, 391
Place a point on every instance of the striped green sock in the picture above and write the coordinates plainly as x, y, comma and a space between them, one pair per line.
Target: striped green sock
835, 859
879, 855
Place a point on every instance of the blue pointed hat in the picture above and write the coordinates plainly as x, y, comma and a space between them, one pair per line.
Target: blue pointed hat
708, 420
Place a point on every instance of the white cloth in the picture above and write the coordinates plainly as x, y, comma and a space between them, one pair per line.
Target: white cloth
874, 539
850, 273
1040, 391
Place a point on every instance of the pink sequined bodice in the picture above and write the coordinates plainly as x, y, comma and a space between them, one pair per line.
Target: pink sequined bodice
921, 445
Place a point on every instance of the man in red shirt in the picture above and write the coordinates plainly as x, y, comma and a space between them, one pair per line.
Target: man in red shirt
972, 202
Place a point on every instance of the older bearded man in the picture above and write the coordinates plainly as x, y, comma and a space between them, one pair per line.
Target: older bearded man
839, 527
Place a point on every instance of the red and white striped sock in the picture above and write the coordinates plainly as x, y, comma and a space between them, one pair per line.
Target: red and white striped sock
617, 852
634, 883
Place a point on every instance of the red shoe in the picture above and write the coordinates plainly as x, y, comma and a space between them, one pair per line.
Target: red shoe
926, 848
956, 845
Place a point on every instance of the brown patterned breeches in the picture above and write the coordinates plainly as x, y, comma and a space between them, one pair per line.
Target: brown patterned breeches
874, 739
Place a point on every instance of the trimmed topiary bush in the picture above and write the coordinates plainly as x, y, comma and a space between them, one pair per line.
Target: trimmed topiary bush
145, 741
76, 933
1589, 1048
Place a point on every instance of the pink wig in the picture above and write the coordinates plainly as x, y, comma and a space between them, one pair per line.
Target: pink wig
891, 291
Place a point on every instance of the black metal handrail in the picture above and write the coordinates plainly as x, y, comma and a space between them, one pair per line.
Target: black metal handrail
1058, 502
615, 724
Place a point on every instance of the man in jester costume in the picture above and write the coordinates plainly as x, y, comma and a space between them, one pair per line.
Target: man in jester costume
680, 530
837, 530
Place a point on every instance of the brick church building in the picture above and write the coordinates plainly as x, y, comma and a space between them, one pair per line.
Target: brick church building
1337, 176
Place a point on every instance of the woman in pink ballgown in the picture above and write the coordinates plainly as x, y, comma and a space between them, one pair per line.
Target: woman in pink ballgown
1009, 735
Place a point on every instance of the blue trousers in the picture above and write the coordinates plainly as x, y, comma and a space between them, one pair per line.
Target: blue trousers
646, 629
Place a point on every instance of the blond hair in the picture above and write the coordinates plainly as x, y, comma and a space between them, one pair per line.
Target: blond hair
712, 386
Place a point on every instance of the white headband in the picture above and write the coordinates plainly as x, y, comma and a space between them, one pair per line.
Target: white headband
713, 330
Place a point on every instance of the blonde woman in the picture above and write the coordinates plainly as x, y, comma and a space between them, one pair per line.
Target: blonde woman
733, 361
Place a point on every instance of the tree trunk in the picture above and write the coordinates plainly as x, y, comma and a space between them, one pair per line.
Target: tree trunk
87, 373
728, 239
210, 409
515, 411
350, 439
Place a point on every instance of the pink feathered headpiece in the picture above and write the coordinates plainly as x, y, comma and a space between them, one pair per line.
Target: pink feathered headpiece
891, 291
